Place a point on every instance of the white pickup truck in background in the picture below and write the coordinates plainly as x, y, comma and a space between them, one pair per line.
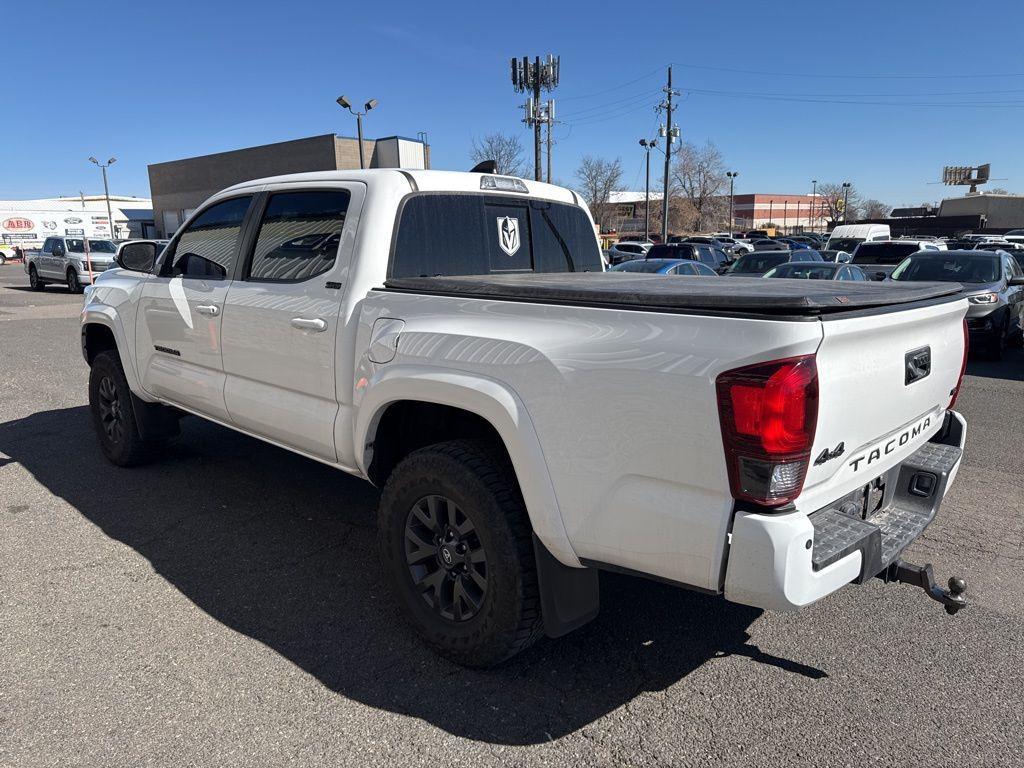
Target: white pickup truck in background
450, 337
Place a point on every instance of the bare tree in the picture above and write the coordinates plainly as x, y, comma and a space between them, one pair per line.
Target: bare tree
874, 209
997, 191
698, 175
597, 179
505, 149
831, 200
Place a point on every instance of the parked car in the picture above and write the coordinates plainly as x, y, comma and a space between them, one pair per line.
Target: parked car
477, 398
753, 234
880, 257
840, 257
666, 267
816, 270
625, 251
768, 244
993, 283
795, 245
64, 260
757, 263
706, 254
738, 247
846, 237
1015, 236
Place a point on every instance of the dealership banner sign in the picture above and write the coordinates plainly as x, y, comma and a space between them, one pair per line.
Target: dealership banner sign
31, 228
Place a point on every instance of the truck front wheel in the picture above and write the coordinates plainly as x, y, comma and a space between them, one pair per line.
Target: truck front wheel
113, 416
457, 552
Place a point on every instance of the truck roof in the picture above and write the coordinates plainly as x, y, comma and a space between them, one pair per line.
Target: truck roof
703, 295
405, 180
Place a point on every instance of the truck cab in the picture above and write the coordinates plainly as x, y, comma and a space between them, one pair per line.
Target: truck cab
72, 261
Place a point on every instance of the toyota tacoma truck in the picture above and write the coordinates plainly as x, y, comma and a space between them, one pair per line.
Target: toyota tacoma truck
531, 419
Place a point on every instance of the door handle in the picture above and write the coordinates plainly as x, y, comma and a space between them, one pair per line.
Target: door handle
208, 309
309, 323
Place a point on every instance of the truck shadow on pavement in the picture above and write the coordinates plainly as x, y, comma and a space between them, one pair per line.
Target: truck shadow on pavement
283, 550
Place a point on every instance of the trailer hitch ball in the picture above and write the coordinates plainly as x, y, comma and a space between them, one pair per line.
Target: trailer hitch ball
921, 576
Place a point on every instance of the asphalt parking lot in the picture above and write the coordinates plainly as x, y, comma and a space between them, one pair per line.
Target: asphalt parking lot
223, 607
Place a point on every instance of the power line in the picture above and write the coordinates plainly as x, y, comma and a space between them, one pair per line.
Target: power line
644, 96
853, 77
615, 87
807, 100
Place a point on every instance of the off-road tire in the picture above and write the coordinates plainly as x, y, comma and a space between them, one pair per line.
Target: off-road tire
125, 447
478, 477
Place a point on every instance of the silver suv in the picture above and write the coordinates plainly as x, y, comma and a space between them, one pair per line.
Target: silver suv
63, 260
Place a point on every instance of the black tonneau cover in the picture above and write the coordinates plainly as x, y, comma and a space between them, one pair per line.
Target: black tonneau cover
732, 295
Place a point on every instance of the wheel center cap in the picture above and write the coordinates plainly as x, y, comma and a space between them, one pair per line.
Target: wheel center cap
447, 556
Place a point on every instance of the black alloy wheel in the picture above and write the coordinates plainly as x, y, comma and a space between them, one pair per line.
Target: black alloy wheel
445, 558
110, 409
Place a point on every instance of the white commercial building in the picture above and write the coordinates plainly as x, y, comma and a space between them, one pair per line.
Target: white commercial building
28, 222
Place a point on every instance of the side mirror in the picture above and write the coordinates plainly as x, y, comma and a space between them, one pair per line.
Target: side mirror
58, 251
137, 257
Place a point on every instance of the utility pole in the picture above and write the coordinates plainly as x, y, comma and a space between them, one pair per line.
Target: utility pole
670, 134
648, 145
814, 202
771, 209
785, 216
532, 76
846, 201
732, 216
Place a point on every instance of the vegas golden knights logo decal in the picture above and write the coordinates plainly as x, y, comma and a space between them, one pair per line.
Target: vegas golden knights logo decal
508, 234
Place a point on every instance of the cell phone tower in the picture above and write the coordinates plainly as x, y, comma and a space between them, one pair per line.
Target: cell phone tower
531, 77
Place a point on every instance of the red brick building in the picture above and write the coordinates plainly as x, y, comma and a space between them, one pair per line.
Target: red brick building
787, 212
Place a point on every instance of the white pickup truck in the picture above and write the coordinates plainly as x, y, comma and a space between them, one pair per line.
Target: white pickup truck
766, 440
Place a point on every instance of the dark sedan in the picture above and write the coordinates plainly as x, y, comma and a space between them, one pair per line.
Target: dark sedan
993, 283
757, 263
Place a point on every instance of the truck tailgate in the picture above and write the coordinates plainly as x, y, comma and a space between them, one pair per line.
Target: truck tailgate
885, 381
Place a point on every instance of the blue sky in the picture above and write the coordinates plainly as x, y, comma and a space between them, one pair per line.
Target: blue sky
149, 83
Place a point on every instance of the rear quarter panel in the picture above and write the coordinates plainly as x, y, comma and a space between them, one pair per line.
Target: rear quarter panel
624, 406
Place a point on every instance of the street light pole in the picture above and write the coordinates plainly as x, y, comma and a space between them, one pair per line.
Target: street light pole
344, 103
106, 191
648, 146
846, 201
732, 216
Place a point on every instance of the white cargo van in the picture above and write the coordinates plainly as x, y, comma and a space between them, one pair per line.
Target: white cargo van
846, 237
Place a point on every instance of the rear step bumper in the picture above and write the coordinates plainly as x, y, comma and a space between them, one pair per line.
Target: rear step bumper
783, 562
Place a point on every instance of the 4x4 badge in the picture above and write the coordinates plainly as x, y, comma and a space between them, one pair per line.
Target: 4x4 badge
828, 455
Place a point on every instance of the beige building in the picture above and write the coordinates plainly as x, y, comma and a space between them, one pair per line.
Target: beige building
179, 186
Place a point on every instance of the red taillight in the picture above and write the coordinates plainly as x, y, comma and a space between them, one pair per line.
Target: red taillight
769, 412
963, 368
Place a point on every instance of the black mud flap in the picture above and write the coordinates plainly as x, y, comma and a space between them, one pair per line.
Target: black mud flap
569, 597
154, 420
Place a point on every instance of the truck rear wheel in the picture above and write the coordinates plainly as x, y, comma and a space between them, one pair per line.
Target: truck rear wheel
110, 400
34, 281
457, 552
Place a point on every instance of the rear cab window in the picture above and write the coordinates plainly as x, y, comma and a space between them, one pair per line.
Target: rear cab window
442, 234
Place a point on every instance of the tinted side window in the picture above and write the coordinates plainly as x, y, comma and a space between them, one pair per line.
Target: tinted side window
48, 245
299, 235
486, 234
208, 247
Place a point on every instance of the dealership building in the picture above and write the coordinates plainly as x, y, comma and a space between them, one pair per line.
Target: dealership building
27, 223
178, 187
